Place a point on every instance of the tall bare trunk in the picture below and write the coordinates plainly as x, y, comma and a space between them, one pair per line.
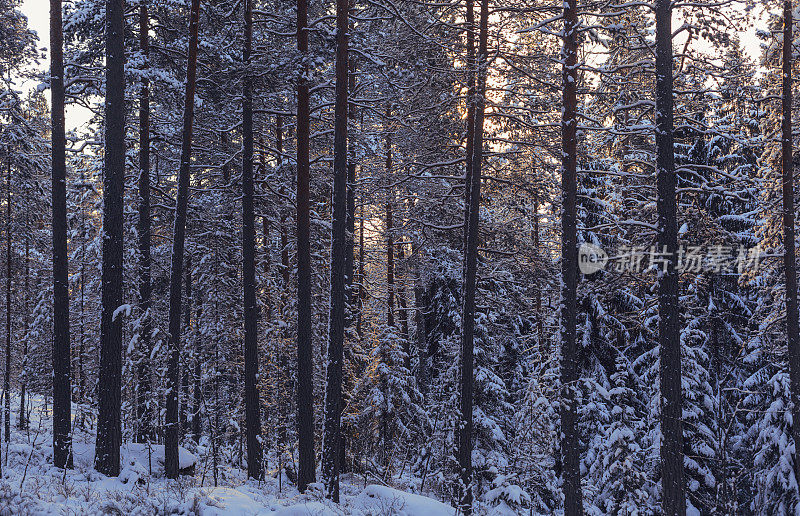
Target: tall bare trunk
144, 411
573, 496
672, 481
62, 397
172, 431
9, 266
304, 391
333, 395
471, 269
22, 420
789, 259
389, 229
251, 396
109, 416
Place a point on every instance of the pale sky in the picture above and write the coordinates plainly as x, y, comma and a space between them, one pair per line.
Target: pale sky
38, 13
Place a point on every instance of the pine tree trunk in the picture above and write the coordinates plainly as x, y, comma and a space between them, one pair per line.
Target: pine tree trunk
81, 398
351, 197
109, 431
333, 395
304, 392
62, 396
350, 257
672, 480
573, 496
143, 410
389, 230
172, 431
361, 291
283, 362
198, 376
7, 375
251, 397
470, 19
403, 311
183, 402
471, 269
22, 420
421, 334
789, 259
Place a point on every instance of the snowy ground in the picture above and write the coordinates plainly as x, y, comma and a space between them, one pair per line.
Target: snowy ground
30, 485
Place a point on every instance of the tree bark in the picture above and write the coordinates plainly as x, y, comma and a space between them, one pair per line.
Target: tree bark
172, 431
351, 196
471, 269
789, 259
673, 486
251, 398
9, 265
389, 229
198, 376
62, 397
305, 394
143, 410
109, 430
403, 310
570, 453
470, 19
22, 420
187, 329
361, 291
333, 395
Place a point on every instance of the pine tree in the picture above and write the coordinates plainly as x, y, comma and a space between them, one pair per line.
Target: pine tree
172, 431
62, 445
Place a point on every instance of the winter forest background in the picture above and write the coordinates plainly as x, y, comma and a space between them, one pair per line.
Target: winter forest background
323, 256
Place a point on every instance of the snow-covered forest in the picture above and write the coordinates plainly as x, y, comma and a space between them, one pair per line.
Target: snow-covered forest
399, 257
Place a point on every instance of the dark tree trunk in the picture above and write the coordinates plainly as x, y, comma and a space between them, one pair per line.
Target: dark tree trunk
62, 396
333, 394
470, 19
109, 431
789, 263
389, 229
351, 198
673, 487
305, 394
403, 310
251, 398
197, 377
7, 375
285, 384
361, 291
81, 398
22, 420
421, 334
143, 410
570, 453
187, 330
284, 229
471, 269
349, 267
172, 431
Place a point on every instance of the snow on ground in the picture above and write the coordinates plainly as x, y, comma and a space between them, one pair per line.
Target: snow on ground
30, 485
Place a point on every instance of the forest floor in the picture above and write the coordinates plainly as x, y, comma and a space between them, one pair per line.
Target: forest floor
30, 484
